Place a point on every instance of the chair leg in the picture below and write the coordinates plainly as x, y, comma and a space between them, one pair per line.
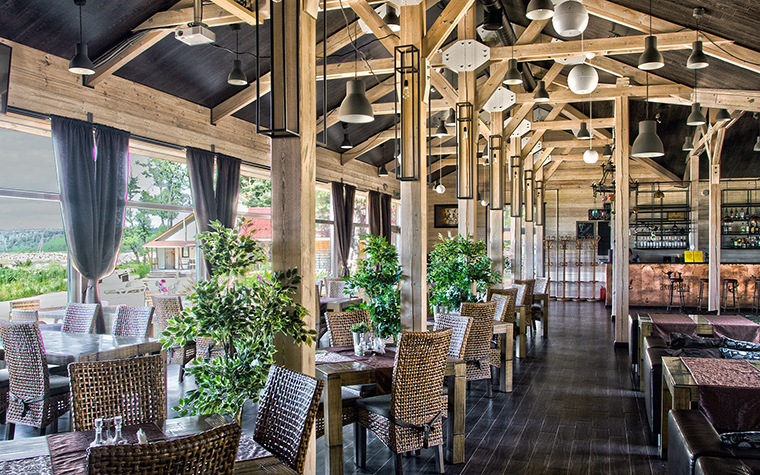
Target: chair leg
10, 429
360, 445
417, 452
41, 430
489, 387
439, 458
54, 427
181, 372
398, 464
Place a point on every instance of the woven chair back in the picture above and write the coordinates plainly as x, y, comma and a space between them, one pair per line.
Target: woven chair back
542, 285
503, 302
478, 349
134, 388
29, 304
210, 452
167, 307
18, 315
287, 409
132, 321
460, 327
528, 295
510, 308
339, 324
29, 383
418, 378
336, 288
80, 317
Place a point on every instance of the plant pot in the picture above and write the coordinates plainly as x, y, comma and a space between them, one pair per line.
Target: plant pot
362, 343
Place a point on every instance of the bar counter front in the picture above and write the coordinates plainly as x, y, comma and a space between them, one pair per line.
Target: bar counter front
649, 283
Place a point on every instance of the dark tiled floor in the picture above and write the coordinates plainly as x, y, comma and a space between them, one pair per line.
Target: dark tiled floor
572, 411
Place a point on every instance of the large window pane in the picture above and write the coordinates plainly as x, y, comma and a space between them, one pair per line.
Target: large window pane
324, 264
323, 208
27, 162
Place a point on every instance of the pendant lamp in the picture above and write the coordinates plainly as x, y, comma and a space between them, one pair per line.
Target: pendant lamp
451, 119
651, 58
355, 108
541, 94
584, 133
647, 144
688, 144
513, 77
237, 77
382, 171
607, 152
696, 117
756, 148
80, 63
570, 18
722, 116
392, 20
583, 78
441, 131
540, 10
590, 156
346, 145
698, 58
439, 188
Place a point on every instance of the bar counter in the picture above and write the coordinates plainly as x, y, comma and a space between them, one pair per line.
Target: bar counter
649, 283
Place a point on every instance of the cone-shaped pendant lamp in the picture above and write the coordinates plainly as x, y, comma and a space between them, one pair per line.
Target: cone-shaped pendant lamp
647, 144
651, 58
722, 116
237, 77
513, 77
382, 171
392, 20
540, 10
584, 133
441, 130
80, 63
696, 117
688, 144
697, 59
451, 119
541, 94
756, 148
355, 108
607, 152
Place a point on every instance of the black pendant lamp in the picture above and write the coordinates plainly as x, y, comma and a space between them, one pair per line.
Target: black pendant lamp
392, 20
756, 148
688, 144
722, 116
237, 77
651, 58
80, 63
698, 58
607, 152
513, 77
441, 131
382, 171
540, 10
451, 119
346, 145
696, 118
648, 143
584, 133
541, 94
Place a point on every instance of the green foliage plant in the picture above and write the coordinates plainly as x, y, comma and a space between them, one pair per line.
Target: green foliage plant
378, 275
453, 265
360, 327
242, 311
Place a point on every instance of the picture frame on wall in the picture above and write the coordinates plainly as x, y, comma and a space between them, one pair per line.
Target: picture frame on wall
446, 216
585, 230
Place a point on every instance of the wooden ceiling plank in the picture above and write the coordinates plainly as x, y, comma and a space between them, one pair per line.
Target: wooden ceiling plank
126, 55
443, 26
238, 10
369, 16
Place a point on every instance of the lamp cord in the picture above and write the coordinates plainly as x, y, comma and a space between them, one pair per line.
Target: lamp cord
80, 24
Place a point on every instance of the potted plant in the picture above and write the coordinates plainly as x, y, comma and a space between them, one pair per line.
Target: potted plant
459, 270
378, 275
241, 310
362, 334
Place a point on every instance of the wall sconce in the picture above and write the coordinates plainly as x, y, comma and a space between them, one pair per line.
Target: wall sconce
285, 95
540, 209
496, 147
516, 184
407, 69
465, 153
529, 195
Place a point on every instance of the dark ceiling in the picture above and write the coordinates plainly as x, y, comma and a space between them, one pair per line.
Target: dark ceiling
198, 74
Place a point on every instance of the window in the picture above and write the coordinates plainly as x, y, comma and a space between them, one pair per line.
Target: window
324, 234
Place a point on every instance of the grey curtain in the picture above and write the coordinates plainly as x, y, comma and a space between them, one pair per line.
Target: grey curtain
213, 203
343, 209
92, 178
379, 208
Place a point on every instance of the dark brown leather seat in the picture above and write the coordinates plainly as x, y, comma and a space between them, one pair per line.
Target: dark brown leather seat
726, 466
690, 436
653, 387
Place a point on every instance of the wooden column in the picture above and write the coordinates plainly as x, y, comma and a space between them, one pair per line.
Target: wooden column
622, 203
714, 148
496, 217
694, 177
515, 223
530, 240
468, 211
413, 249
540, 257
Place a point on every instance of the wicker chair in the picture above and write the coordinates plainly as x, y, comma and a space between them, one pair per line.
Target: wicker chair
410, 417
80, 317
336, 288
35, 397
478, 349
168, 307
505, 300
460, 327
3, 394
28, 304
339, 324
536, 309
132, 321
211, 452
508, 315
287, 409
527, 300
134, 388
18, 315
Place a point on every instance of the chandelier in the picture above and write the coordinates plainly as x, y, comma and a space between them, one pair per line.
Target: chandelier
606, 186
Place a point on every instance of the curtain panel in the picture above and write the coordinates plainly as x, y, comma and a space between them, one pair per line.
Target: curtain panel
343, 210
92, 163
379, 209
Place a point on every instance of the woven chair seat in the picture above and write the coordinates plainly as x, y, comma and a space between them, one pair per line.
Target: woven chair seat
380, 405
58, 385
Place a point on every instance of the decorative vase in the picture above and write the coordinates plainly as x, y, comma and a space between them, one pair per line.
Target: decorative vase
362, 343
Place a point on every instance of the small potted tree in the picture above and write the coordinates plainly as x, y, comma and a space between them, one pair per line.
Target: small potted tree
459, 270
378, 275
241, 310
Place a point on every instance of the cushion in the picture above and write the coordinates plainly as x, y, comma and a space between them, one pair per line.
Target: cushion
380, 405
696, 352
739, 345
58, 385
747, 440
3, 377
520, 292
501, 304
739, 354
654, 341
682, 340
721, 466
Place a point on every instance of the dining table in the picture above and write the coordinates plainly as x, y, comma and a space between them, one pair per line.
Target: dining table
33, 454
62, 348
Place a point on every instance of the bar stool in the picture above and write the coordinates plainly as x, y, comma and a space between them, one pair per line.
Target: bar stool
729, 287
676, 283
756, 295
702, 284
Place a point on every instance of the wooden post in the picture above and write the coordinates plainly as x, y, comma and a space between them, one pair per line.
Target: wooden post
694, 177
293, 195
714, 148
413, 249
468, 211
496, 217
530, 241
622, 199
540, 254
515, 223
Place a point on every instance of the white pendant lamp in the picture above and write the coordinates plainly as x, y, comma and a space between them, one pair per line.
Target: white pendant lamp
355, 108
583, 78
590, 156
540, 10
440, 189
80, 63
570, 18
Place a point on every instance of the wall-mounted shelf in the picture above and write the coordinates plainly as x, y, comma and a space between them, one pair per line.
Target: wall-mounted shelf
661, 218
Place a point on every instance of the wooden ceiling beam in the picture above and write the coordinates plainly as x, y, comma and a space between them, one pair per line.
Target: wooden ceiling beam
450, 161
619, 69
606, 122
542, 158
729, 99
369, 144
369, 16
135, 49
359, 68
451, 96
576, 143
172, 18
238, 10
552, 167
443, 26
539, 133
602, 93
657, 169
